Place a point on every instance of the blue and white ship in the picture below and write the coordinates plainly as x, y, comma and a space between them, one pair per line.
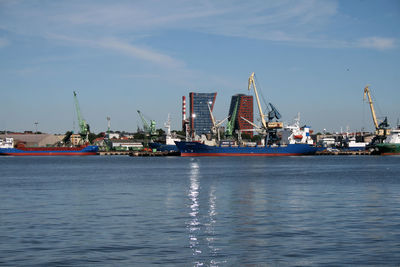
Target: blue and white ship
169, 145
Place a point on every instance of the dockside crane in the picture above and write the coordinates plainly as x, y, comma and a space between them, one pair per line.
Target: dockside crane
381, 129
215, 125
149, 129
268, 129
262, 116
84, 128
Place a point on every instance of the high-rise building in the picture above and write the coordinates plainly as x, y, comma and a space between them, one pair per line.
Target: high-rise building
200, 119
244, 110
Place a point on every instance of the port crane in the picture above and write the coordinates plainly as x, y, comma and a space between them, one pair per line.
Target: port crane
381, 129
268, 129
149, 129
84, 128
215, 125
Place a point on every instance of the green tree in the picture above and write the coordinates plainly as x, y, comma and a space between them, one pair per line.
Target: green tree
92, 136
67, 137
160, 132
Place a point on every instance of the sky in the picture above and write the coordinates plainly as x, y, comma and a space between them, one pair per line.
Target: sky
312, 57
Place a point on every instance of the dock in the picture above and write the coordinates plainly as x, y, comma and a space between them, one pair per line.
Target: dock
165, 153
113, 153
138, 153
351, 153
153, 154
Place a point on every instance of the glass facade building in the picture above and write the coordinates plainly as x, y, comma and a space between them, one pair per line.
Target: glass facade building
200, 119
244, 110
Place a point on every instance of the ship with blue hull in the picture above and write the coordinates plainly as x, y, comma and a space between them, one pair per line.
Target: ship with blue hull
50, 151
195, 149
7, 149
290, 140
169, 144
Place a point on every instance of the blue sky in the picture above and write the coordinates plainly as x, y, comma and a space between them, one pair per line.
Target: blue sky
312, 57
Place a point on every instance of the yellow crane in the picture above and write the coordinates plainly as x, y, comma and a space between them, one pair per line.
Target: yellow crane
265, 125
215, 124
371, 105
380, 129
262, 116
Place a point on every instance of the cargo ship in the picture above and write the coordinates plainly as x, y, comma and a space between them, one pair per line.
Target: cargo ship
194, 149
7, 149
391, 146
293, 140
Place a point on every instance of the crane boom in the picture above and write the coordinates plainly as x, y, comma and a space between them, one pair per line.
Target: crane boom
146, 126
83, 126
212, 116
262, 116
215, 125
371, 105
149, 129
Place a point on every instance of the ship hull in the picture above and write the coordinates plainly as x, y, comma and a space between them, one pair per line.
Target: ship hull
388, 149
163, 147
196, 149
53, 151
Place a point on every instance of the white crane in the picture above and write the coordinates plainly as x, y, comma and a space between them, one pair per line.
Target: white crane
216, 124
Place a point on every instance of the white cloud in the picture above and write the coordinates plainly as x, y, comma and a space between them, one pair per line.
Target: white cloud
126, 48
379, 43
301, 22
141, 53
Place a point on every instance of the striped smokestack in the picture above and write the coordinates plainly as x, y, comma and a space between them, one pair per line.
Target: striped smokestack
183, 112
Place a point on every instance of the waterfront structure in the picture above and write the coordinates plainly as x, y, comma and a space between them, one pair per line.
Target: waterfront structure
200, 121
244, 110
122, 144
76, 139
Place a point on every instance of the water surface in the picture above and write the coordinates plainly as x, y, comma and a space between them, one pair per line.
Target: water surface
210, 211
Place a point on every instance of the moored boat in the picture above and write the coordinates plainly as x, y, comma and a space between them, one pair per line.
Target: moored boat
169, 145
353, 145
391, 146
7, 149
193, 149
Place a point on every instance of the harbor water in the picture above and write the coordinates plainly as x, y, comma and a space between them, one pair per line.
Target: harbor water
209, 211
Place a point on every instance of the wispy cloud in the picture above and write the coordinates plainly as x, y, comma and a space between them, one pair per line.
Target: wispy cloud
379, 43
120, 26
141, 53
125, 48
